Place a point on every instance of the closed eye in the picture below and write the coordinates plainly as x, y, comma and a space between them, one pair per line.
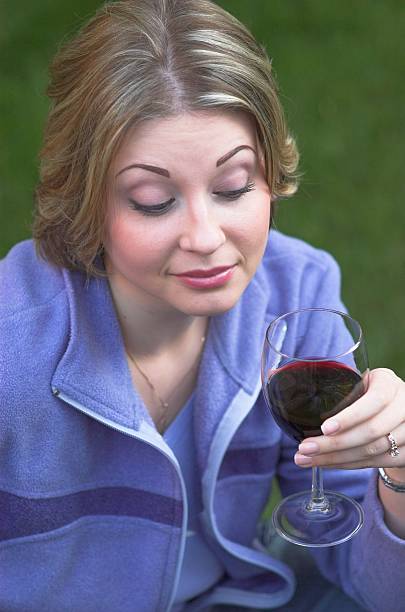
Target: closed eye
164, 207
152, 209
237, 193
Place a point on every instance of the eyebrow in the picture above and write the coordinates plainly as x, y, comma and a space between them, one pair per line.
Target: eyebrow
227, 156
154, 169
164, 172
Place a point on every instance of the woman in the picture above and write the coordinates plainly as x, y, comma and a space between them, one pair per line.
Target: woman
137, 453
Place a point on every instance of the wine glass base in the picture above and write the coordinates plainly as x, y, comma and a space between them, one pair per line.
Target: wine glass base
317, 528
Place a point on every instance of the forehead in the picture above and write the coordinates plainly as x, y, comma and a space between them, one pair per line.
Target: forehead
204, 133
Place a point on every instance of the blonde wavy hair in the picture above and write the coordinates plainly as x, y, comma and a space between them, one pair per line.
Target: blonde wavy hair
137, 60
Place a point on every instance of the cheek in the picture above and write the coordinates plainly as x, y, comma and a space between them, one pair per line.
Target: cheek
128, 244
254, 225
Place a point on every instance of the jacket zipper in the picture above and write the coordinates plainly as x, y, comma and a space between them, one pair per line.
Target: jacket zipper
130, 432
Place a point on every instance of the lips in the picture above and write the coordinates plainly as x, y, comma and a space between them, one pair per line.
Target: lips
207, 279
204, 273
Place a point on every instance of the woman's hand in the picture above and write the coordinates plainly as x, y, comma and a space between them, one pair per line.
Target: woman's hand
357, 437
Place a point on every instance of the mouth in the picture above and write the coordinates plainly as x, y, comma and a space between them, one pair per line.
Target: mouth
207, 279
204, 273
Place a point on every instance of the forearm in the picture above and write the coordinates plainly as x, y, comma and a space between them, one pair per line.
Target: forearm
393, 503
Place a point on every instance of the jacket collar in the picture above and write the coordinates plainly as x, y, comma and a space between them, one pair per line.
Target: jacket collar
238, 334
229, 377
93, 370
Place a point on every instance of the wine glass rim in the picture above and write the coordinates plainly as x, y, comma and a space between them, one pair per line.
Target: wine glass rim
315, 359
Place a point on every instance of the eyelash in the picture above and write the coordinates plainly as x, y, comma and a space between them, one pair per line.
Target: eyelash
234, 195
156, 210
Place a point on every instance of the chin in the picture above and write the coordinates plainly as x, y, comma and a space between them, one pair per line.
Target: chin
209, 305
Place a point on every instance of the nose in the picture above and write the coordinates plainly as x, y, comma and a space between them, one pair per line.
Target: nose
201, 233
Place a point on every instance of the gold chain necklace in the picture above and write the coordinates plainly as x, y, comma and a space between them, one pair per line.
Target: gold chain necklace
164, 405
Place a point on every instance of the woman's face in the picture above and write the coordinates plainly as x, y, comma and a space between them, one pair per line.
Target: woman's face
188, 213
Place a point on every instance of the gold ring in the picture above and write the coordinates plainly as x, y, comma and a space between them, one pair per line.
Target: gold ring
393, 450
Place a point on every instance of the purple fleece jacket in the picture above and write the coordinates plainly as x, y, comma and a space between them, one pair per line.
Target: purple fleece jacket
93, 510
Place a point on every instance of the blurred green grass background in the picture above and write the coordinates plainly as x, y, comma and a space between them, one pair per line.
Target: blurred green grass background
340, 66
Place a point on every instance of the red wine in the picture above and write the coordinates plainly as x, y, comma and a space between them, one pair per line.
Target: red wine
302, 395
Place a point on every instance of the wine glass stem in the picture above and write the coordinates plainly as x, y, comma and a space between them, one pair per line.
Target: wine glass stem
318, 501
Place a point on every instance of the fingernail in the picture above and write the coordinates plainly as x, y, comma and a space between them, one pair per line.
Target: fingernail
302, 460
308, 448
330, 427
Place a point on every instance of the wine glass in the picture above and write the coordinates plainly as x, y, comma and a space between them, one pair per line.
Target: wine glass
321, 368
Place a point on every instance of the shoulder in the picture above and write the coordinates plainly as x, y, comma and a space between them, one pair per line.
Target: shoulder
33, 310
289, 251
295, 274
34, 327
26, 281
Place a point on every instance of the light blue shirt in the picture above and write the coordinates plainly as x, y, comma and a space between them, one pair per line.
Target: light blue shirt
201, 569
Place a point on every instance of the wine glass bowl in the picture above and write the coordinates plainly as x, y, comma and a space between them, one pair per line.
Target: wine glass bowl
314, 364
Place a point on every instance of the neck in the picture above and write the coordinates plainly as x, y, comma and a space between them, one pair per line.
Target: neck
148, 336
149, 332
164, 349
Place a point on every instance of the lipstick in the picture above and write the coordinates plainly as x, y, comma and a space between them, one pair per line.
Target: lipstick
207, 279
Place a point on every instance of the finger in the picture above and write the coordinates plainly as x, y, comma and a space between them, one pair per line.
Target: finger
344, 466
375, 454
383, 387
367, 435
